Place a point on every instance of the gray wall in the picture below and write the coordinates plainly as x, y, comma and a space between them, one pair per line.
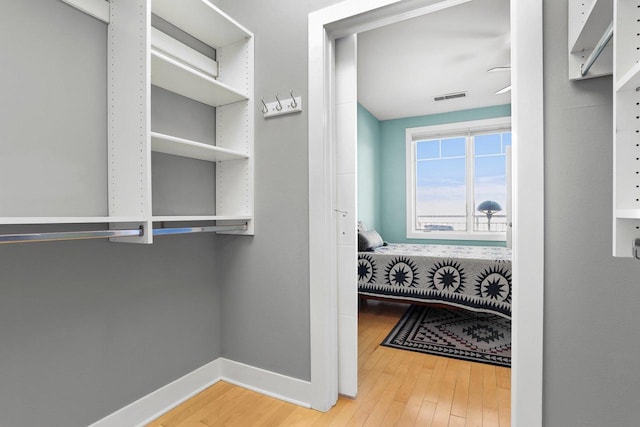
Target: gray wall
266, 278
592, 338
85, 327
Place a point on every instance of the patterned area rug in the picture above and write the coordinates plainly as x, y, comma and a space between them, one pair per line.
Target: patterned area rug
461, 334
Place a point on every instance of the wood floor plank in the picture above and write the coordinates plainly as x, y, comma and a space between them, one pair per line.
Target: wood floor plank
425, 415
414, 403
406, 388
433, 391
475, 400
489, 397
367, 404
329, 418
503, 377
216, 391
395, 388
301, 417
455, 421
504, 407
384, 403
461, 395
393, 414
445, 397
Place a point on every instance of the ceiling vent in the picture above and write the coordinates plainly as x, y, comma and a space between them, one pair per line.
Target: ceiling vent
450, 96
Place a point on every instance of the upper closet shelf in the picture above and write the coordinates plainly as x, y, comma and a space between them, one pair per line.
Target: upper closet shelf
196, 150
202, 20
591, 22
588, 22
628, 213
179, 78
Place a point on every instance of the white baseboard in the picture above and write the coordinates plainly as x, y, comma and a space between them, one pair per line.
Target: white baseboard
156, 403
266, 382
151, 406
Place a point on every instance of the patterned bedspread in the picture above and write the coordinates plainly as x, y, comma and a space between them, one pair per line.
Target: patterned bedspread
477, 278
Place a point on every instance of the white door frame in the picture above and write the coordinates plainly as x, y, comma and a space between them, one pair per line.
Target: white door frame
353, 16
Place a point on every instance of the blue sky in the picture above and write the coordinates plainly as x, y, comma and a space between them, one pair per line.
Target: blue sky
441, 178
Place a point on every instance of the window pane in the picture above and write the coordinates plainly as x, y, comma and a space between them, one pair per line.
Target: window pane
490, 186
506, 139
453, 147
441, 195
487, 144
428, 149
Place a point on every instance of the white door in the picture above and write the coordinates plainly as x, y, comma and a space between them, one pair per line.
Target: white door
509, 199
345, 208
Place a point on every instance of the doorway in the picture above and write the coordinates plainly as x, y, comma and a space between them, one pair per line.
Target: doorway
351, 17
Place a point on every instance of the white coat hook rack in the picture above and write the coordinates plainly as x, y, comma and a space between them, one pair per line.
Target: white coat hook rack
281, 107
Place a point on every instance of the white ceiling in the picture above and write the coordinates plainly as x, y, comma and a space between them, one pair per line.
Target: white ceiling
402, 66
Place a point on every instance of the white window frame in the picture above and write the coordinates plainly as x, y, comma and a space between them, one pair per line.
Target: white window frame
413, 135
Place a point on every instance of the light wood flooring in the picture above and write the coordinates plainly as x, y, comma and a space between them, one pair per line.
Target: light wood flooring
396, 388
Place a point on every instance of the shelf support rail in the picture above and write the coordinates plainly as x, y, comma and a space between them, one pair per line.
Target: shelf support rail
602, 43
107, 234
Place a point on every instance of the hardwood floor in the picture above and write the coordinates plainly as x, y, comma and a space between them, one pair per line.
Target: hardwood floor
396, 388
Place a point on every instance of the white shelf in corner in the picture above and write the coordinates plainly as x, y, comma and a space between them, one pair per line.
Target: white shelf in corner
628, 213
596, 21
202, 20
195, 150
182, 79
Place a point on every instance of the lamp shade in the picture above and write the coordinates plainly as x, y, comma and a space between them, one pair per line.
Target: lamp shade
489, 206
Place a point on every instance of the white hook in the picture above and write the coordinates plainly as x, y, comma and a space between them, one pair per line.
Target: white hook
265, 109
279, 106
293, 104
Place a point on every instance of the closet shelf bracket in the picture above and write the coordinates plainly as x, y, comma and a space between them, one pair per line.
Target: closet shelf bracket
636, 248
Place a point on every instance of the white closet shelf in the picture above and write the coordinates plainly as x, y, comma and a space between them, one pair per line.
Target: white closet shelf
595, 24
164, 43
195, 150
628, 213
179, 78
202, 20
68, 220
176, 218
630, 80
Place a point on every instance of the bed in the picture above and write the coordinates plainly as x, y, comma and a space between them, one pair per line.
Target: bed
476, 278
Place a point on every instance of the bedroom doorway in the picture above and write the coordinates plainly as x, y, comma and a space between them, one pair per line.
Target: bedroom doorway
351, 17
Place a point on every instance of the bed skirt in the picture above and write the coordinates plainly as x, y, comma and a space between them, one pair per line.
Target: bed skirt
471, 277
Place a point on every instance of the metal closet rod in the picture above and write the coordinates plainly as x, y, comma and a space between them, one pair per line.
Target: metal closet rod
208, 229
602, 43
107, 234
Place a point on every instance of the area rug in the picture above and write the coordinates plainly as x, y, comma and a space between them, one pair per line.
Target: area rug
457, 333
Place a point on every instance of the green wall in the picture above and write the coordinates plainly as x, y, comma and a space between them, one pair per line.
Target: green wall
369, 188
392, 206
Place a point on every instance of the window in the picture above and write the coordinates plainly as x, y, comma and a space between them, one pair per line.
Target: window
457, 180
